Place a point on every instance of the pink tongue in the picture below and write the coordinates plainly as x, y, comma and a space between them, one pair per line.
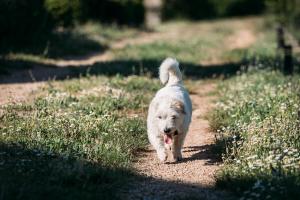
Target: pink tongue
167, 139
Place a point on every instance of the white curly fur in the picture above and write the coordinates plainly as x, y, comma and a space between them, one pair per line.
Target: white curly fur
169, 71
170, 110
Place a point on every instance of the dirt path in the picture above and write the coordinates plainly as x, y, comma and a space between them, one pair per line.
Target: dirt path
18, 92
22, 85
194, 175
240, 40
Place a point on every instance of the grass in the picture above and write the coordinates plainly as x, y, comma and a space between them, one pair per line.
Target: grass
77, 141
257, 125
257, 121
205, 42
193, 47
262, 51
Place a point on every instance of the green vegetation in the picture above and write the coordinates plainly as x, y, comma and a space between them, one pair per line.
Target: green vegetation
211, 8
40, 20
257, 120
33, 24
192, 46
76, 140
79, 137
286, 12
36, 18
186, 49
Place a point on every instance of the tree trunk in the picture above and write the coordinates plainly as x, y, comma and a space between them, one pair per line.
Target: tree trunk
152, 13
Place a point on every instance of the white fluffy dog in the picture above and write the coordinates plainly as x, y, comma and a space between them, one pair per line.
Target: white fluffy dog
170, 112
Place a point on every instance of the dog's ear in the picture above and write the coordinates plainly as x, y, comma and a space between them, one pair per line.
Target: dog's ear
178, 105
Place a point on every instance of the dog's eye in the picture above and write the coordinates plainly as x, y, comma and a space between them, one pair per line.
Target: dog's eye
159, 117
173, 117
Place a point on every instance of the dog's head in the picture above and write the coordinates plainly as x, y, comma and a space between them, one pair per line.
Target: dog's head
170, 118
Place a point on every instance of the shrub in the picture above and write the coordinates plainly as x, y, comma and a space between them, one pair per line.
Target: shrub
192, 10
65, 12
22, 20
129, 12
211, 8
244, 7
286, 13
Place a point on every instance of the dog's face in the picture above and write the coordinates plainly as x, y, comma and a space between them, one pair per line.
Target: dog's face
170, 117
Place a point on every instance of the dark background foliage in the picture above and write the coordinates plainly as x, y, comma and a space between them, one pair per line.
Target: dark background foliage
195, 9
21, 20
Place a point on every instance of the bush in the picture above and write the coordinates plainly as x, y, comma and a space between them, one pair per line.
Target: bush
287, 13
211, 8
244, 7
129, 12
194, 9
65, 12
21, 19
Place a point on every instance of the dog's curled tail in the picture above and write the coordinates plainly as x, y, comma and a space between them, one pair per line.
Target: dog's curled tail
169, 72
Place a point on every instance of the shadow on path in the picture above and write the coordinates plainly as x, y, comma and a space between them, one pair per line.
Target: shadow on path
203, 152
23, 71
39, 174
63, 44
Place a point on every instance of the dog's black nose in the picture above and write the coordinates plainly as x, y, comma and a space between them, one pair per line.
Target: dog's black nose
167, 130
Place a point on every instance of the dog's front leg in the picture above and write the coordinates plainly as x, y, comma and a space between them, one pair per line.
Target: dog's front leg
160, 149
162, 155
176, 148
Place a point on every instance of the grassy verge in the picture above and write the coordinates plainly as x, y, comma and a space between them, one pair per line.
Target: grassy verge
77, 141
257, 121
187, 49
193, 45
207, 43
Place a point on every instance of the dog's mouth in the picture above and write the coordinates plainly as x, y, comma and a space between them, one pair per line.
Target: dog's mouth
168, 138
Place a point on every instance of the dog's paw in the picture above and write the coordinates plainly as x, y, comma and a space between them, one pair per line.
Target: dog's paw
177, 158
